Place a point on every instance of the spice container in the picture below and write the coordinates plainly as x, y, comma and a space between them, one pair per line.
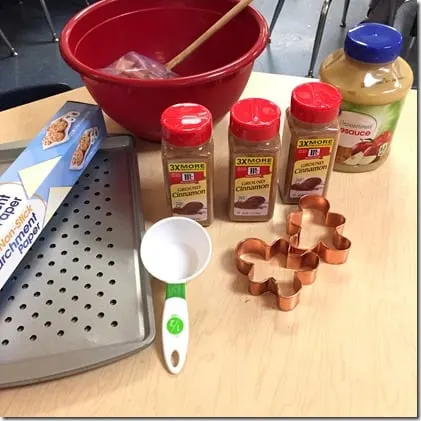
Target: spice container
309, 141
187, 156
374, 81
254, 144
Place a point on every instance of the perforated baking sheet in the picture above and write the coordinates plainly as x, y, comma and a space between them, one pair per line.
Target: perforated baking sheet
81, 297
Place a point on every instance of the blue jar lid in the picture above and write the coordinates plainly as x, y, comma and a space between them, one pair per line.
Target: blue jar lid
373, 43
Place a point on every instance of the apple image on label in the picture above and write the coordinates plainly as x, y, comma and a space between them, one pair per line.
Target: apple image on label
370, 155
354, 159
382, 141
361, 146
383, 138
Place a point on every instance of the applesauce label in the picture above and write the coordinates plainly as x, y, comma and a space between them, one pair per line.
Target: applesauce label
366, 132
312, 160
188, 189
252, 187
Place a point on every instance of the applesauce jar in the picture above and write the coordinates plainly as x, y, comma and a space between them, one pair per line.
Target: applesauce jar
373, 81
254, 144
187, 158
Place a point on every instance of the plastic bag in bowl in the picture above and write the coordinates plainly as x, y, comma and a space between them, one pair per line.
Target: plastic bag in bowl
137, 66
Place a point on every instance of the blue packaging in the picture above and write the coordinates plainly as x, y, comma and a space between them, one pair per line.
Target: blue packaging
37, 182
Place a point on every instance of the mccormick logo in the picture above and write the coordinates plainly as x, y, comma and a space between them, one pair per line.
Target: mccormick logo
187, 176
253, 171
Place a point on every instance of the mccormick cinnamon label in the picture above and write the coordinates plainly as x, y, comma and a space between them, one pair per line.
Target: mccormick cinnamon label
252, 187
188, 189
312, 161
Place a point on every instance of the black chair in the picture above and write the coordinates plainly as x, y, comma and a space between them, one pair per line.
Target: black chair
390, 8
13, 52
50, 20
320, 27
21, 96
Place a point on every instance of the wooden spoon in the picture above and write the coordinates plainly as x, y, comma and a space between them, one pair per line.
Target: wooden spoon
242, 4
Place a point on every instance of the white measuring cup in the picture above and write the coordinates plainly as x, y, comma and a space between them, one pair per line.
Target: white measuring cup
175, 250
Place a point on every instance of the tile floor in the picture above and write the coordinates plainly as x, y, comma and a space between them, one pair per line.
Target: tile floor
39, 60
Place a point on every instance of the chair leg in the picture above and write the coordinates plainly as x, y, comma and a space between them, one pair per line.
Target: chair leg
345, 13
392, 12
49, 20
405, 54
319, 35
13, 52
276, 14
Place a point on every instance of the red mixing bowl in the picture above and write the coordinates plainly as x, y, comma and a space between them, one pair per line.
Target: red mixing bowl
215, 75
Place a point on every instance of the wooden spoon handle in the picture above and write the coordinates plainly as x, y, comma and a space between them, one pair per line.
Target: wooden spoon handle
242, 4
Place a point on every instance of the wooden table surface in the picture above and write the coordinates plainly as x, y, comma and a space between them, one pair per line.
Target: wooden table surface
348, 349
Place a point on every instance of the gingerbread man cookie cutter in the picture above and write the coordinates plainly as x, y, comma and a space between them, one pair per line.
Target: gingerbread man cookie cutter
335, 255
304, 266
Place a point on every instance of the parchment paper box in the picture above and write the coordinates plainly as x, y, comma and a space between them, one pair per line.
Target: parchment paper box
34, 186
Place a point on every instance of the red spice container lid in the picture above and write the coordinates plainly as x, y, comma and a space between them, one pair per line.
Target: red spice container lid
315, 102
255, 119
186, 125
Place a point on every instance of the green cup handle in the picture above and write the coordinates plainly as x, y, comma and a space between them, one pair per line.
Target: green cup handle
175, 328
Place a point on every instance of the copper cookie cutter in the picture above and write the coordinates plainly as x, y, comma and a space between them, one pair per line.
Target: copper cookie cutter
305, 267
333, 255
